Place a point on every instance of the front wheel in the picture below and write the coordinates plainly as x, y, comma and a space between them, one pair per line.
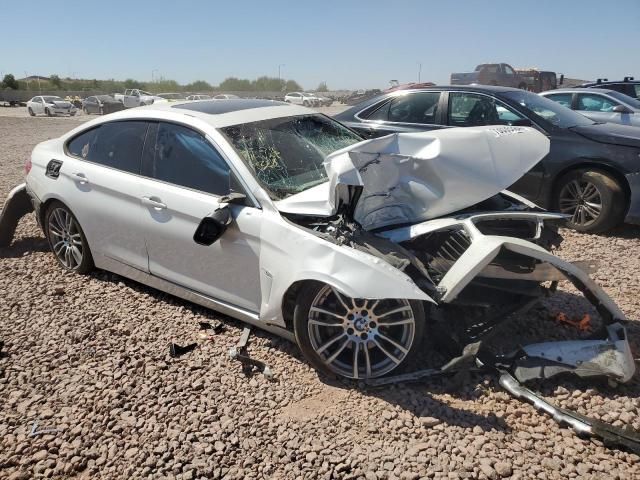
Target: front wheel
67, 240
594, 199
48, 112
31, 112
356, 338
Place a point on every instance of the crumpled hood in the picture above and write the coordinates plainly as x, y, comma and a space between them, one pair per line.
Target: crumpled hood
611, 133
413, 177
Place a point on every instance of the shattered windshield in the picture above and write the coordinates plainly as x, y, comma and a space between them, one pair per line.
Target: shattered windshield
286, 154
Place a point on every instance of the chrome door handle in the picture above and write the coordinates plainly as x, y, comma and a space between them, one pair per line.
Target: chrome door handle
79, 177
150, 202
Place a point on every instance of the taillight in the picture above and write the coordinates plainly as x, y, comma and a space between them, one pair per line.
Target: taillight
27, 167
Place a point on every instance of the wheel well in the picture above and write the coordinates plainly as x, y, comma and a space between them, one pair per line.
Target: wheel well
620, 178
289, 300
43, 211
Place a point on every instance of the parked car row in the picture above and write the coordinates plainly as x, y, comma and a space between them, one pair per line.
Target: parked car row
592, 172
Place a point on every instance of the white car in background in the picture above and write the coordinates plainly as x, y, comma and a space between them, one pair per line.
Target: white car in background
50, 105
225, 96
301, 98
199, 97
285, 219
134, 97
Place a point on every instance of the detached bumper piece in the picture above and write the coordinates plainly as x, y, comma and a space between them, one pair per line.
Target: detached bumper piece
17, 205
581, 424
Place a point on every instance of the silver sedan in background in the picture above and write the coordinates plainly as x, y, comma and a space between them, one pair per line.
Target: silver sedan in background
599, 105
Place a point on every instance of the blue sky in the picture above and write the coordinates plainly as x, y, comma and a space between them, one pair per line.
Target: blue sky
348, 44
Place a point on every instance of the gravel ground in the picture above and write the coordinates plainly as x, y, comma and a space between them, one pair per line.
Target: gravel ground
89, 357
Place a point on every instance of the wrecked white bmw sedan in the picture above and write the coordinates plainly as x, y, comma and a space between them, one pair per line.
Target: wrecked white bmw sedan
285, 219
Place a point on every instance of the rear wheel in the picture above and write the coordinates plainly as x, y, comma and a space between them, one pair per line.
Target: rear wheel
594, 199
356, 338
67, 240
522, 86
48, 112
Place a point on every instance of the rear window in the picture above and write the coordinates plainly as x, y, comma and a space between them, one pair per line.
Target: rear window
115, 145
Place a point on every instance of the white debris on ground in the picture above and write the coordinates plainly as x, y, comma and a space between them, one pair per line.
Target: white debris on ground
89, 357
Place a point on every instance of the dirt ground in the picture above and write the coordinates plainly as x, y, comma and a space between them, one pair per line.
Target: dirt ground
88, 356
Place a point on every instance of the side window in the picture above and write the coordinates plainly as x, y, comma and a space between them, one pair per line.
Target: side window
595, 103
472, 110
636, 91
185, 158
563, 99
508, 70
410, 108
115, 145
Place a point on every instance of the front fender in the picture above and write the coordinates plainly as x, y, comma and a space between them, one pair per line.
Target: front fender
290, 254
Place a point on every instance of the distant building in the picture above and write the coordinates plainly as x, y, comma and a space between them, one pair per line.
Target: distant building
34, 78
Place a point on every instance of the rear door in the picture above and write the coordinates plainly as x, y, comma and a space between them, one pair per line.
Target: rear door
410, 112
101, 176
186, 176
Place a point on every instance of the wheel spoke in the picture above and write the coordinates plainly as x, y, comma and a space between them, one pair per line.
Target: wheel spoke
372, 307
583, 219
406, 321
383, 350
323, 324
405, 308
57, 248
325, 312
76, 239
67, 257
367, 360
56, 231
356, 354
77, 254
339, 297
338, 351
393, 342
331, 342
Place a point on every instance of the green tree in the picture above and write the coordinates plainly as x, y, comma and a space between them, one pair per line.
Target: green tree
9, 81
233, 84
198, 86
131, 83
292, 86
56, 81
322, 87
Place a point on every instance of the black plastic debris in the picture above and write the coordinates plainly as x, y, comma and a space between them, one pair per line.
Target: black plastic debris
16, 206
218, 327
249, 365
176, 351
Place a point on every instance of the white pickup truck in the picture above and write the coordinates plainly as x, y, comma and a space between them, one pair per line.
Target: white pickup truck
134, 97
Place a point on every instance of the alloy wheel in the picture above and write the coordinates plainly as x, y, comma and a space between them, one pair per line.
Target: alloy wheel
582, 200
360, 338
66, 239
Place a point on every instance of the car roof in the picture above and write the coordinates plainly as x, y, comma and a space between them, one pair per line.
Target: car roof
217, 113
609, 82
579, 90
453, 88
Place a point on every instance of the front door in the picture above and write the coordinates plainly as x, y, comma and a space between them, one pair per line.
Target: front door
185, 179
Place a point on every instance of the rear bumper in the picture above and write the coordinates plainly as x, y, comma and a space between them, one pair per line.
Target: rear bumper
17, 205
633, 214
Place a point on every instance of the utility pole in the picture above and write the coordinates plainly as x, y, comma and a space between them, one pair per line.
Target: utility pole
419, 71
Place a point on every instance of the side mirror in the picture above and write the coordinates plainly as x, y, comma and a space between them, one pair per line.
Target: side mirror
213, 226
522, 122
622, 109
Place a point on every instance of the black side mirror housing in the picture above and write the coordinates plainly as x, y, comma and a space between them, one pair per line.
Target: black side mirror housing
622, 109
522, 122
213, 226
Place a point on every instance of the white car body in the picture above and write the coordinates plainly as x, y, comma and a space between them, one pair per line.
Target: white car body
143, 228
301, 98
199, 97
50, 105
225, 96
134, 97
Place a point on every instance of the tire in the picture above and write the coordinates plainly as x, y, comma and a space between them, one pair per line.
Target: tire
31, 112
67, 240
522, 86
72, 114
85, 111
594, 199
360, 326
305, 104
101, 111
48, 112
